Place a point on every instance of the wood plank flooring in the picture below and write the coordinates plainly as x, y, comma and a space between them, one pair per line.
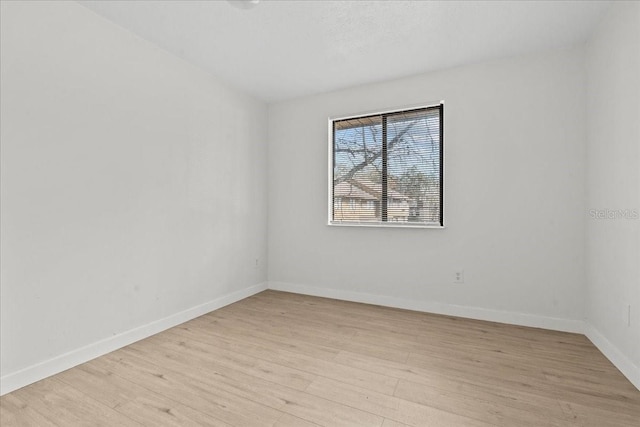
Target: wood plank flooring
281, 359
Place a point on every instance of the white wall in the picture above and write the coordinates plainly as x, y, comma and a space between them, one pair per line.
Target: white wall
133, 188
613, 244
514, 191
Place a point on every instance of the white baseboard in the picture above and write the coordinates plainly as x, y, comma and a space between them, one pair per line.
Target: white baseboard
513, 318
76, 357
73, 358
611, 352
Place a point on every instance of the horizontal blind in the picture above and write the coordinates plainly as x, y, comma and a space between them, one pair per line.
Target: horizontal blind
387, 168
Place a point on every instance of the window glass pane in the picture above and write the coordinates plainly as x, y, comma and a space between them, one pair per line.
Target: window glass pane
357, 169
414, 166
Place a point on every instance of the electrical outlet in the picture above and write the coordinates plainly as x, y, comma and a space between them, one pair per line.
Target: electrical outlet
458, 276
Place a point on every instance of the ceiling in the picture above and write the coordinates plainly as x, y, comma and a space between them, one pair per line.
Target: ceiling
278, 50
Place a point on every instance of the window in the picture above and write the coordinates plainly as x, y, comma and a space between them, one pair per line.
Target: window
392, 163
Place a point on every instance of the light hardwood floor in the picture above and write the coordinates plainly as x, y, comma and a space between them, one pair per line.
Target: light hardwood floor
281, 359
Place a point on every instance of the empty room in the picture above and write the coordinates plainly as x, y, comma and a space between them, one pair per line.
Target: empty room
320, 213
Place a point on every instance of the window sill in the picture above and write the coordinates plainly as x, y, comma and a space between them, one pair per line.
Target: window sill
383, 224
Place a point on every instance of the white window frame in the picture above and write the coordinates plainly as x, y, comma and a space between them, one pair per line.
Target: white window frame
380, 224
